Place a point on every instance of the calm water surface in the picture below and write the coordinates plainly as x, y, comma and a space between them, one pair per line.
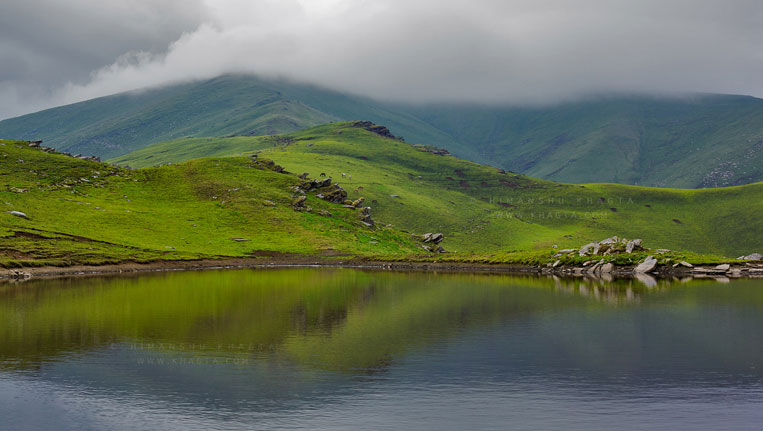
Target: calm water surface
347, 349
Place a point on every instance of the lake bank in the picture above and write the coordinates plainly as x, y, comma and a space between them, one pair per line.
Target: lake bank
721, 271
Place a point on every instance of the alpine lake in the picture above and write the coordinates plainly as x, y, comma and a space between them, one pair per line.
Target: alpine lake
351, 349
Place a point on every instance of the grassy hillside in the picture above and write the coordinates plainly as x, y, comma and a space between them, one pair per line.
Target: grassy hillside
482, 210
82, 211
700, 141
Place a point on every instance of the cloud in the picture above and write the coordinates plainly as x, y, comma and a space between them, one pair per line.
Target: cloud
494, 51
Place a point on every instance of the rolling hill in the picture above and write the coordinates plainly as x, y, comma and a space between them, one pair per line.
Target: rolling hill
479, 208
690, 142
60, 210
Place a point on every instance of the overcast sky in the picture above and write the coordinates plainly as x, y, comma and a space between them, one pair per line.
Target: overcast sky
54, 52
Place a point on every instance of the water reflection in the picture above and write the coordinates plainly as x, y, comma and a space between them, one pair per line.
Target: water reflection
251, 343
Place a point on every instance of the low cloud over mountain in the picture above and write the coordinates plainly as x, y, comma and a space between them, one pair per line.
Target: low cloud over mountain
493, 51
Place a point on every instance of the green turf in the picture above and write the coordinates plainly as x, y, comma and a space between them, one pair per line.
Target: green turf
87, 212
486, 213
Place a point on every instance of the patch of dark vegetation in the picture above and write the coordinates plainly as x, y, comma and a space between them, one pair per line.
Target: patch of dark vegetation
460, 173
464, 184
647, 205
675, 220
614, 210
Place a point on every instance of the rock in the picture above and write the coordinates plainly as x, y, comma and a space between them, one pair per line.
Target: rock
171, 248
268, 203
646, 266
299, 201
753, 256
239, 239
394, 196
723, 267
633, 245
433, 237
324, 213
588, 248
18, 214
304, 175
610, 240
568, 250
357, 202
607, 268
19, 275
686, 264
337, 196
365, 216
557, 263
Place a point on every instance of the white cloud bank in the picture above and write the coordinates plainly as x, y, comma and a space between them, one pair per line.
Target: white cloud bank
495, 51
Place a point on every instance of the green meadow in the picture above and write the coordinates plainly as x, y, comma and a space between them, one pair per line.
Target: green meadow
207, 198
482, 210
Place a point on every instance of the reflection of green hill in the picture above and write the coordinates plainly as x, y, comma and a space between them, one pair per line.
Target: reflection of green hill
342, 319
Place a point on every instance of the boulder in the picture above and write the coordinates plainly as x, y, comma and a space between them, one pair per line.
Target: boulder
647, 265
753, 256
723, 267
607, 268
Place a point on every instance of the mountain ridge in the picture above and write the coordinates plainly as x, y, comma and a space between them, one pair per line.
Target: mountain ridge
698, 141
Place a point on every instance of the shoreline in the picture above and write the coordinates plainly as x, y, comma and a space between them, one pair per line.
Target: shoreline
736, 270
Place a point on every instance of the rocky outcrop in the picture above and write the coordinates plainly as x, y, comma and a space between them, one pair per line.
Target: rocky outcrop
375, 128
610, 246
752, 256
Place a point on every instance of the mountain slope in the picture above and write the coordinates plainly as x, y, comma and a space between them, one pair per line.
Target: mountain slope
698, 141
75, 211
483, 210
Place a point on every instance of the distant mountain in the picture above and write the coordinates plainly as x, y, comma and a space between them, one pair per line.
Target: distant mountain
698, 141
